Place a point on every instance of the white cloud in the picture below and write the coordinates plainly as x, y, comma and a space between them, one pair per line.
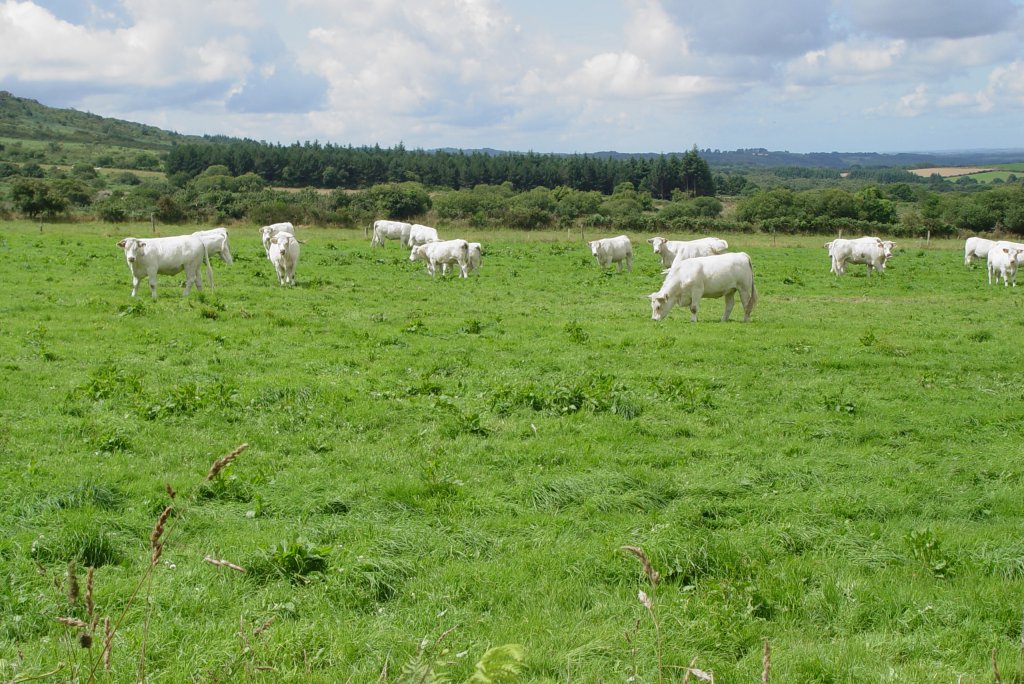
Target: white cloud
847, 62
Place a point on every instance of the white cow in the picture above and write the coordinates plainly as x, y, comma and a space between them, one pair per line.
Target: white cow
977, 247
216, 241
421, 235
267, 232
718, 275
474, 258
283, 252
390, 230
613, 250
443, 252
1003, 259
476, 252
670, 250
866, 250
168, 255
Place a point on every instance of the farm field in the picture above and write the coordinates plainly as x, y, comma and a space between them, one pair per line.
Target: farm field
440, 466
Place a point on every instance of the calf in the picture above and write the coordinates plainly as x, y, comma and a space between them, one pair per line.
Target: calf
445, 252
976, 247
283, 252
167, 255
718, 275
670, 250
390, 230
1002, 262
613, 250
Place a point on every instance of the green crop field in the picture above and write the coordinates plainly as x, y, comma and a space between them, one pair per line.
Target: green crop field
437, 467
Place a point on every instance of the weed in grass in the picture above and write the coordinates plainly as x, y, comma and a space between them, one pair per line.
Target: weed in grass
576, 332
293, 560
924, 546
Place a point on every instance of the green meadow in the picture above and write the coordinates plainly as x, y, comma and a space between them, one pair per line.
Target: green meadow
437, 467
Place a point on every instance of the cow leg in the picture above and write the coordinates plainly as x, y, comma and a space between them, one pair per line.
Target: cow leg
730, 299
629, 264
152, 285
135, 284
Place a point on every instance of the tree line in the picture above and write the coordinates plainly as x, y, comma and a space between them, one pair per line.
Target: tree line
333, 166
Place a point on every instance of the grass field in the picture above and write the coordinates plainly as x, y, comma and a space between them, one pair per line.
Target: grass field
439, 466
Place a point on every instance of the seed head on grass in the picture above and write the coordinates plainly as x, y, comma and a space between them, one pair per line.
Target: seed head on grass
652, 574
108, 639
71, 622
220, 463
155, 544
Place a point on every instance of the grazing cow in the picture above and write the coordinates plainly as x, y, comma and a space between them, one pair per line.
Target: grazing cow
866, 250
390, 230
168, 255
444, 252
613, 250
267, 232
718, 275
1002, 261
421, 235
977, 247
473, 261
216, 241
283, 252
670, 250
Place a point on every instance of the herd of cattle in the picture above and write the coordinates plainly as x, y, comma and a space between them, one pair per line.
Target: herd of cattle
694, 269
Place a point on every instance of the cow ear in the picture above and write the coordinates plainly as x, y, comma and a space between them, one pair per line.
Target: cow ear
122, 243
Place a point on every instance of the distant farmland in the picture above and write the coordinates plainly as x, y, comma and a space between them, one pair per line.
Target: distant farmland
979, 173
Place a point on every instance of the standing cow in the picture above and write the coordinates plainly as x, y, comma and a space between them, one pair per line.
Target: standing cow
390, 230
866, 250
168, 256
216, 241
443, 253
718, 275
283, 252
1002, 261
670, 250
976, 248
267, 232
613, 250
421, 235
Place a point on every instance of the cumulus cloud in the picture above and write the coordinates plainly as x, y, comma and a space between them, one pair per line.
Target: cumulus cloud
455, 72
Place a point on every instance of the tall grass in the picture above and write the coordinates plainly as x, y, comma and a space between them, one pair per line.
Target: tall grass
838, 477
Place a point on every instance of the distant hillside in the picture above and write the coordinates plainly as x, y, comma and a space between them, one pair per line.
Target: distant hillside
29, 120
26, 119
763, 158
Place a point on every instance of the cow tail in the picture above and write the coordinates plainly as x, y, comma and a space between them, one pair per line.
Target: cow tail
753, 287
209, 268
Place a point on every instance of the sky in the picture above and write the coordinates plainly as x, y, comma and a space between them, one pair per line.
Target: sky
572, 76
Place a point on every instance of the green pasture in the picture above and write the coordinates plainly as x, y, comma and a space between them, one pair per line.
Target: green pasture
436, 467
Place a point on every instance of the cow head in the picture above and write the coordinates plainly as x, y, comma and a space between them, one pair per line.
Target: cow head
416, 253
661, 304
133, 248
595, 247
657, 243
225, 250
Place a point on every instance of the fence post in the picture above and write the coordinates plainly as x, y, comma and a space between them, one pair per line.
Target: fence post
152, 222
